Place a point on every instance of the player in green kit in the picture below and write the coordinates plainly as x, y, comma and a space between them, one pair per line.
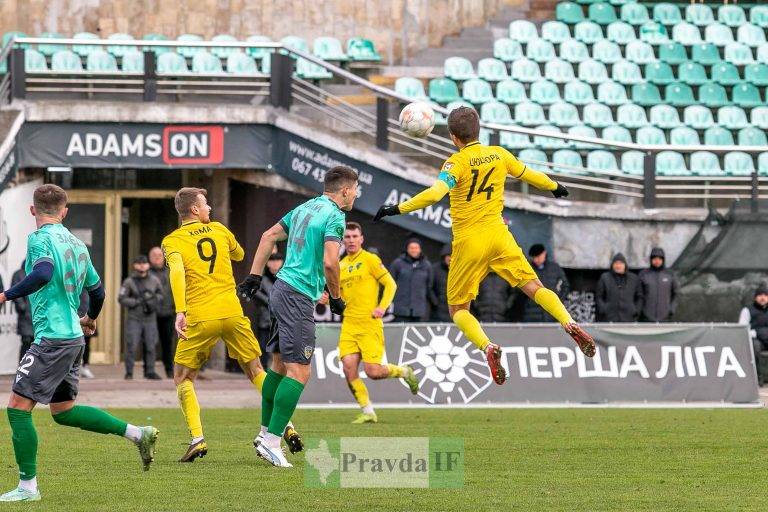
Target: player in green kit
314, 231
58, 267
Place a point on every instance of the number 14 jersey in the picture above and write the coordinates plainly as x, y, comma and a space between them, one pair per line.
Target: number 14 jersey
207, 252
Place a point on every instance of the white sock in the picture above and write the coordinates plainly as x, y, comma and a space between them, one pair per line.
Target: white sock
133, 433
368, 409
263, 431
29, 485
271, 440
196, 440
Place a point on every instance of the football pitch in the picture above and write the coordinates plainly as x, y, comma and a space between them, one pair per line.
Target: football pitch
542, 459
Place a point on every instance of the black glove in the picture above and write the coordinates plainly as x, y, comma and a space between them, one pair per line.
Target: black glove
560, 191
248, 288
337, 305
386, 211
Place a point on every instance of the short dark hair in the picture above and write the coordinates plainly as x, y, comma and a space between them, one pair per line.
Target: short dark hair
536, 249
352, 226
49, 199
186, 198
339, 177
464, 124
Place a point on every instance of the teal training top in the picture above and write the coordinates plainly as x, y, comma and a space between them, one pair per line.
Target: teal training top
309, 226
54, 306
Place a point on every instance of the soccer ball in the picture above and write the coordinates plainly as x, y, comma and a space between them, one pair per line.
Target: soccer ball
417, 119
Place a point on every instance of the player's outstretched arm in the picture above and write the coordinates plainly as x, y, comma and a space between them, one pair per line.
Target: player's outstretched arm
421, 200
41, 274
538, 179
248, 288
332, 280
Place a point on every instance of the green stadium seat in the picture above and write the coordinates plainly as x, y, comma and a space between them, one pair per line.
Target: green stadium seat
569, 12
492, 70
495, 112
539, 50
686, 34
666, 13
671, 163
620, 33
634, 13
732, 117
100, 61
731, 15
84, 49
49, 49
632, 162
762, 53
651, 136
118, 50
704, 163
606, 52
329, 48
414, 88
588, 32
639, 52
156, 49
601, 161
664, 116
718, 34
725, 73
544, 142
458, 68
739, 54
692, 73
699, 14
188, 51
617, 133
659, 73
222, 51
259, 53
563, 114
477, 91
706, 54
679, 95
762, 160
631, 116
684, 136
171, 63
239, 63
511, 92
544, 92
602, 13
17, 34
523, 31
718, 136
746, 95
750, 35
654, 33
564, 160
574, 51
582, 131
759, 117
555, 32
206, 63
525, 70
507, 50
65, 61
672, 53
443, 90
713, 95
592, 72
578, 93
559, 71
308, 70
758, 15
362, 50
737, 163
611, 93
646, 94
266, 64
485, 137
532, 156
751, 136
34, 61
698, 117
132, 62
529, 114
512, 140
296, 43
598, 115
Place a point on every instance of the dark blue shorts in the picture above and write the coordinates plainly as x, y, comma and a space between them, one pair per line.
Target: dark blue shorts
292, 334
49, 371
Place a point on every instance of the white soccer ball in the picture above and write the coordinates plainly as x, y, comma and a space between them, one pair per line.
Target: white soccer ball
417, 119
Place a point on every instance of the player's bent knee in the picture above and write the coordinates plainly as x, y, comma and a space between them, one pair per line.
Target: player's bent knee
21, 403
376, 371
59, 408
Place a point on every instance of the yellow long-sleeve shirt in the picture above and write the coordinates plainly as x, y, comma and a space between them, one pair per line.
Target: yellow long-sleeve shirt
361, 276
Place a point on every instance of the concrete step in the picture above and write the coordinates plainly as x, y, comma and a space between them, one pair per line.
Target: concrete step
475, 32
437, 56
468, 42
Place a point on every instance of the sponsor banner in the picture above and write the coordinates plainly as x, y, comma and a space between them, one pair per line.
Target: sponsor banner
682, 363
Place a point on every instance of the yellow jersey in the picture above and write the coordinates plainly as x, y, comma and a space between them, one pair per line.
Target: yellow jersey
206, 252
361, 275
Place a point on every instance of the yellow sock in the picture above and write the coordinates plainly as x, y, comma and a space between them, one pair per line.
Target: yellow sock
395, 372
190, 407
471, 328
549, 300
360, 392
258, 380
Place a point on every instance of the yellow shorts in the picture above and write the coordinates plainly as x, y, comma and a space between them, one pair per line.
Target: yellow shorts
202, 336
473, 257
362, 337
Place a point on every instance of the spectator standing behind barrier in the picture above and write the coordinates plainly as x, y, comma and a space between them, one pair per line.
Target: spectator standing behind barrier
414, 277
263, 319
756, 317
493, 300
659, 289
618, 297
166, 312
551, 276
85, 367
140, 294
440, 286
24, 314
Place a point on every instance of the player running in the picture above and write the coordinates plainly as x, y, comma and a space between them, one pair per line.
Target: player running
58, 267
475, 176
362, 330
313, 230
199, 256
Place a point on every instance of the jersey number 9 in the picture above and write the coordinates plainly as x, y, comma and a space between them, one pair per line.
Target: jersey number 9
210, 258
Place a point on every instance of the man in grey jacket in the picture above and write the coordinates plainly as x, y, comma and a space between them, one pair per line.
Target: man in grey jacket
659, 289
166, 313
140, 295
414, 277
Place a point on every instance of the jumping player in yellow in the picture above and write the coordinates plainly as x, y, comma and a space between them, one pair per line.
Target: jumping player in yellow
362, 331
200, 254
475, 176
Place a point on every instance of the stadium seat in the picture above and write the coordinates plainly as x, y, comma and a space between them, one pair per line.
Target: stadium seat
762, 160
631, 116
84, 49
476, 91
540, 50
118, 50
563, 114
362, 50
704, 163
659, 73
738, 54
441, 119
485, 137
100, 61
582, 131
679, 95
529, 114
522, 31
555, 32
526, 70
747, 95
512, 140
266, 64
602, 13
651, 136
627, 73
328, 48
532, 156
66, 61
171, 63
601, 161
206, 63
759, 117
492, 70
567, 161
664, 116
632, 162
574, 51
672, 53
758, 15
686, 34
762, 53
634, 13
698, 117
751, 136
511, 92
458, 68
569, 12
617, 133
592, 72
718, 34
588, 32
750, 35
507, 50
725, 73
605, 51
239, 63
308, 70
684, 136
670, 163
132, 62
692, 73
718, 136
578, 93
731, 15
756, 74
443, 90
256, 52
223, 51
558, 71
611, 93
544, 92
639, 52
495, 112
49, 49
412, 87
156, 49
654, 33
17, 34
296, 43
699, 14
548, 142
188, 51
737, 163
598, 115
646, 94
34, 61
620, 33
666, 13
706, 54
732, 117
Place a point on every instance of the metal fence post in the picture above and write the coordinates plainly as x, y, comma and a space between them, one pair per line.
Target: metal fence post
649, 180
382, 123
281, 82
150, 75
755, 200
18, 74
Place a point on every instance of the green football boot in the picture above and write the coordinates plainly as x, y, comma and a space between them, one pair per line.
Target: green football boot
146, 445
411, 379
365, 418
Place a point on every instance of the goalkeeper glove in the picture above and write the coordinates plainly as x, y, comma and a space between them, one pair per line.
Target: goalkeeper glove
560, 191
248, 288
386, 211
337, 305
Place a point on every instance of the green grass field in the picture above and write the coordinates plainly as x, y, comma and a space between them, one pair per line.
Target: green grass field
561, 459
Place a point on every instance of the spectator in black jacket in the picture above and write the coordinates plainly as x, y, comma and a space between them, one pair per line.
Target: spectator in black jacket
440, 288
414, 277
551, 276
618, 294
659, 289
263, 320
493, 300
24, 314
756, 317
